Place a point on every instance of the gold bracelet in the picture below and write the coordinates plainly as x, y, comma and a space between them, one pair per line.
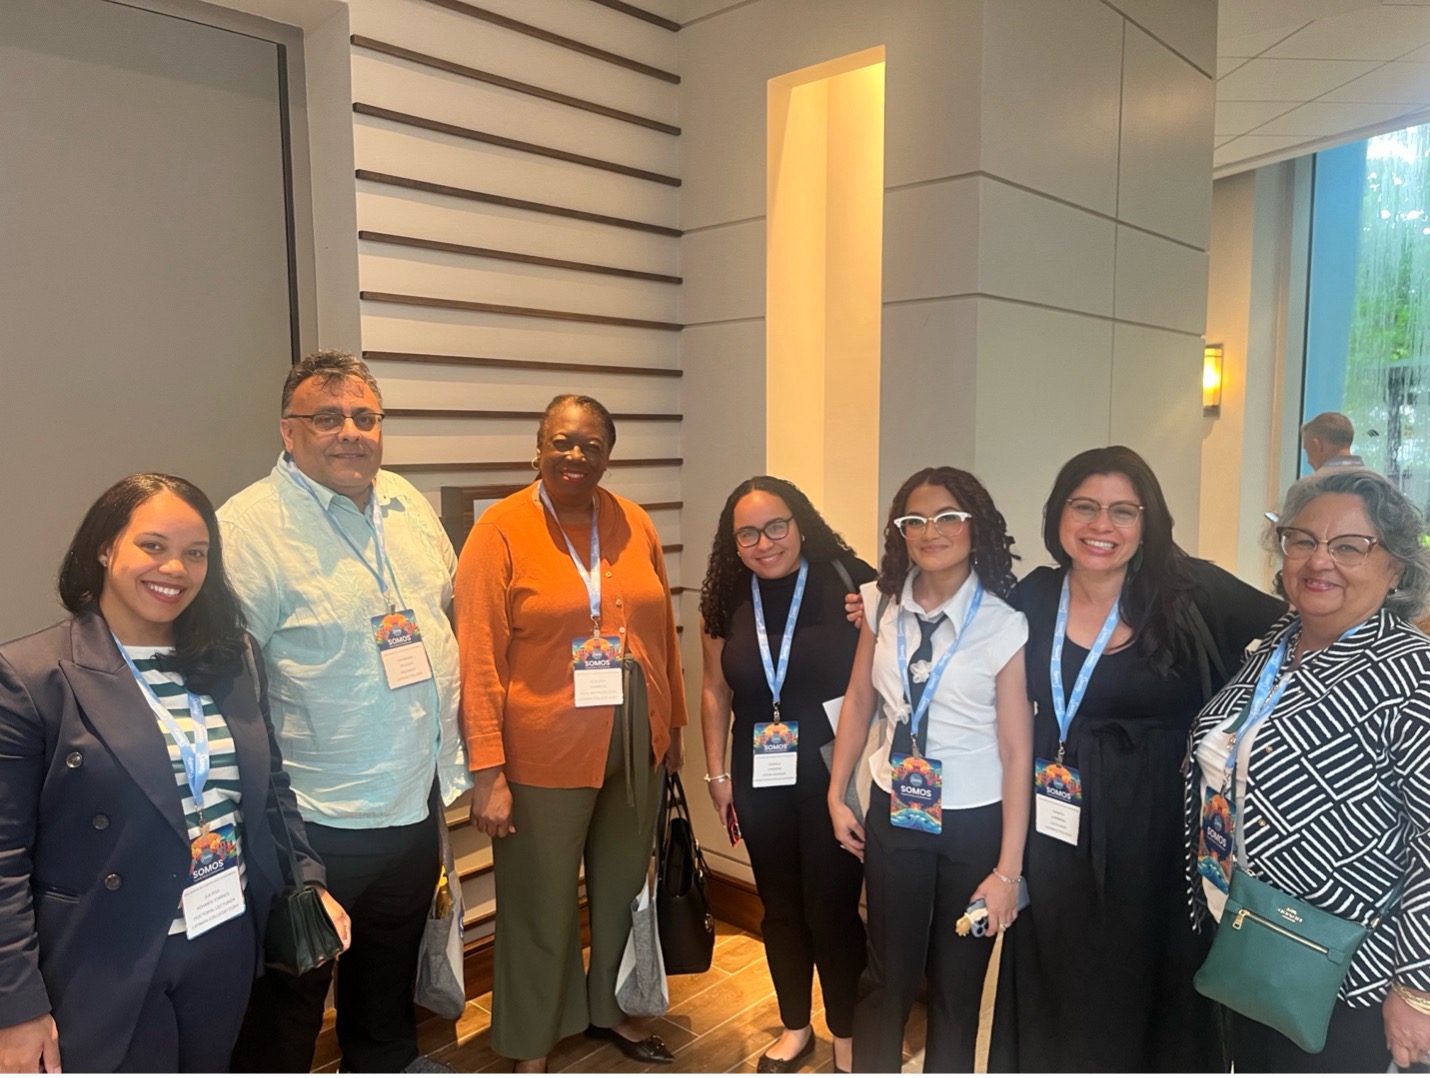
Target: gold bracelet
718, 778
1013, 882
1412, 998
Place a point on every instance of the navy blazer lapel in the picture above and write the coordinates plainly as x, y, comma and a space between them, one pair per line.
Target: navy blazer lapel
237, 701
119, 715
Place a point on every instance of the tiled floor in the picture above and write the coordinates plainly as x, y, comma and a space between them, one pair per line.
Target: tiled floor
720, 1021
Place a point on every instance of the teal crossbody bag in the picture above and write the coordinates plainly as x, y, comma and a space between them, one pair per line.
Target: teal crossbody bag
1279, 960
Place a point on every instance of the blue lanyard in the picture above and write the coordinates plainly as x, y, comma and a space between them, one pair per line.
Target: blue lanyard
1064, 708
374, 518
196, 755
590, 577
931, 687
1269, 687
776, 678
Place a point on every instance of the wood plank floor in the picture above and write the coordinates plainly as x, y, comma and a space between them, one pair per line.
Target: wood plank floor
720, 1021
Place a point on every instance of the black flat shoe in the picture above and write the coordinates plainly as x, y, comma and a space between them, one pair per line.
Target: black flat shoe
650, 1050
770, 1065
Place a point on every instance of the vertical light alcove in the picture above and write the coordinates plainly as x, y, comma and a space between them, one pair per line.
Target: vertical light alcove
824, 287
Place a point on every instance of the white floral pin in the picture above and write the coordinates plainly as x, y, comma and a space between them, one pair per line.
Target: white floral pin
900, 712
920, 670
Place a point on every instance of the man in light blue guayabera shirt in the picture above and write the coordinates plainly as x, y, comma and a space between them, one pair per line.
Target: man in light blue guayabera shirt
345, 575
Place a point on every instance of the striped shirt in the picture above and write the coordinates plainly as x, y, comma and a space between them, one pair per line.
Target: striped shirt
222, 793
1336, 810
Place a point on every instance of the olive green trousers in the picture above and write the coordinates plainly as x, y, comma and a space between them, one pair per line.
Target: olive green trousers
541, 993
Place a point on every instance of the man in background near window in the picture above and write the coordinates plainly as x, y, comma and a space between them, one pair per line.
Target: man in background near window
1327, 441
345, 575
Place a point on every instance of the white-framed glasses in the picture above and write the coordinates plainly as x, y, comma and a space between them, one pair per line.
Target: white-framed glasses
949, 524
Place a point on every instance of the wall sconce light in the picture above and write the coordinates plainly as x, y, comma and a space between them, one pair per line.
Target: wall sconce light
1212, 356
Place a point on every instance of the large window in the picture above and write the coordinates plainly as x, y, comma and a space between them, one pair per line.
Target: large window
1367, 353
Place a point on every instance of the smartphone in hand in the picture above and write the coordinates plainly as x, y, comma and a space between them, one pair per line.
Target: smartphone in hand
733, 827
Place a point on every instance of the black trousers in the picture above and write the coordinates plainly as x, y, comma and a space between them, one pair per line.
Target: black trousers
194, 1005
810, 890
1355, 1044
918, 887
385, 878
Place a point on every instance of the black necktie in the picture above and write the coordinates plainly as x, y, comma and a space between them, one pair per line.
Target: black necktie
903, 732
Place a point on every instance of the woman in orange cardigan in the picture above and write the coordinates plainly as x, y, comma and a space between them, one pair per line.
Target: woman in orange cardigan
556, 585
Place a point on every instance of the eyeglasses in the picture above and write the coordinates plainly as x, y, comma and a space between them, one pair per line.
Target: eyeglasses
775, 529
332, 422
1121, 514
1347, 551
948, 524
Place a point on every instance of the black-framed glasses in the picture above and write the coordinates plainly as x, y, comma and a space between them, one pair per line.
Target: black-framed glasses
775, 529
1347, 551
332, 422
949, 524
1121, 514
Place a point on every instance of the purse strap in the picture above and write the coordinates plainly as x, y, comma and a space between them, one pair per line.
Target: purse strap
286, 839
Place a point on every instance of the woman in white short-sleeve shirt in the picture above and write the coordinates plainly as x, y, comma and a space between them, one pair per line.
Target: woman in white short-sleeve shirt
941, 658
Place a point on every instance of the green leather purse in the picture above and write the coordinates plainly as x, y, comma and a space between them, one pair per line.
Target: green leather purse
1279, 960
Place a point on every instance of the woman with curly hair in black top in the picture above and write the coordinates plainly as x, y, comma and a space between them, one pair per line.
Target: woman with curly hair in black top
941, 657
777, 648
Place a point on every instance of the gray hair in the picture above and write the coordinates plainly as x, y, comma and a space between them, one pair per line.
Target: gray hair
330, 366
1394, 517
1333, 428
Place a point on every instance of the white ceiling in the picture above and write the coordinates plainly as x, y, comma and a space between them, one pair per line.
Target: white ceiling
1294, 76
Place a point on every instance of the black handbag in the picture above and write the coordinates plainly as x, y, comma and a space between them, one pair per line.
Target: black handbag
300, 935
687, 928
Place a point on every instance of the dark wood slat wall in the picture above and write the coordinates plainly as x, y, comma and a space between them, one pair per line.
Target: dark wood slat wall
516, 178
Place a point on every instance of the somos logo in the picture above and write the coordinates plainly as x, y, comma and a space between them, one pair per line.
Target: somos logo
1058, 782
394, 631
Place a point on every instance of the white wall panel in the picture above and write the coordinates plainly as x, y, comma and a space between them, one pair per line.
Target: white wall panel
1044, 380
1159, 282
1156, 409
922, 262
385, 208
420, 385
724, 272
1052, 95
425, 27
927, 391
388, 327
1168, 114
384, 146
1038, 249
593, 24
437, 95
389, 268
1187, 26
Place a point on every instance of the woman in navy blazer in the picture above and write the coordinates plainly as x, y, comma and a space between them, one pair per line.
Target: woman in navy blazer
101, 965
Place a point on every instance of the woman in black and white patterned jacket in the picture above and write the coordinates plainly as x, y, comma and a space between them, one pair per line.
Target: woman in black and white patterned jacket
1332, 779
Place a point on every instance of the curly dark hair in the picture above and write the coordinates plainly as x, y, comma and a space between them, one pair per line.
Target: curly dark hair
209, 634
727, 577
991, 544
1158, 586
